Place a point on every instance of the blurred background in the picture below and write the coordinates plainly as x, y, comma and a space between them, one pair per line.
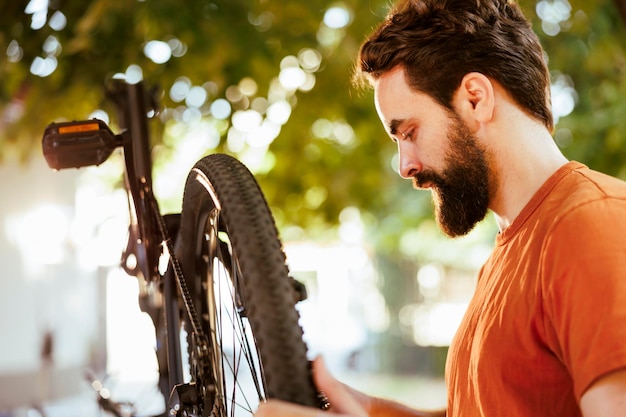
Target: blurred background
268, 82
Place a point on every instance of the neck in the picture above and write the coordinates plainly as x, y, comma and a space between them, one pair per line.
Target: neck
523, 165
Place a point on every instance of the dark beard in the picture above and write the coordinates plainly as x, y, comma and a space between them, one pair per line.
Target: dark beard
462, 192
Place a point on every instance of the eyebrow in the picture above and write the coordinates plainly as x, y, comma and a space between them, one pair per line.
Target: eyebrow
394, 125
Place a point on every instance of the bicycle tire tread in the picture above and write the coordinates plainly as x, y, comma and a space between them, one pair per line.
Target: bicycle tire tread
269, 294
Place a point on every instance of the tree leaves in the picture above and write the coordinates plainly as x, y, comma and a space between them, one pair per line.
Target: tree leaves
308, 179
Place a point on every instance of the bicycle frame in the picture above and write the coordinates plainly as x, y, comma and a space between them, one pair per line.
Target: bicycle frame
79, 144
164, 296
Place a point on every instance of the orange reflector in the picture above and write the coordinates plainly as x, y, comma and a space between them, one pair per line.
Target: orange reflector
78, 128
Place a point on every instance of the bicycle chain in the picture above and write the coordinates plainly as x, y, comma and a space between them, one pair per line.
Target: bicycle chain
199, 338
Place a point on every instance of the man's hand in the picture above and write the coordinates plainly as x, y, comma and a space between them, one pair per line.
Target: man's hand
344, 401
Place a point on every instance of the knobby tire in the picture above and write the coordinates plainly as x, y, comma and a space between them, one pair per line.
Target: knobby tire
226, 219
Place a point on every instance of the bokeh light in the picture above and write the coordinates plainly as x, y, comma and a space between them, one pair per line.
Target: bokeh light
159, 52
553, 14
337, 17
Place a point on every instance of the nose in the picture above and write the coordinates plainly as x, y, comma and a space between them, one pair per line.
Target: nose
409, 164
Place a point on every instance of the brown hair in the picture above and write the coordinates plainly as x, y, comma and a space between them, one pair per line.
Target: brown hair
437, 42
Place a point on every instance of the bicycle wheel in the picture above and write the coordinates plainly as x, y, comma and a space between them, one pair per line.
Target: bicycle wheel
236, 272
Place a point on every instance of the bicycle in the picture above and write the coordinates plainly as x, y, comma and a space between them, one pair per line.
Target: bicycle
224, 309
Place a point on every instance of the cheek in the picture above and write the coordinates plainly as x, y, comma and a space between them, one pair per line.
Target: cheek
433, 147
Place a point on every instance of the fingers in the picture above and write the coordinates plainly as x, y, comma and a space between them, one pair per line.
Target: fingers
343, 403
277, 408
341, 399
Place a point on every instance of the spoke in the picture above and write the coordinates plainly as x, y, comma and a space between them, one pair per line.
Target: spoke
241, 349
241, 340
254, 371
225, 307
227, 318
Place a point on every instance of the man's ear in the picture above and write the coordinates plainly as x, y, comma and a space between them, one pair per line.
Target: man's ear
474, 100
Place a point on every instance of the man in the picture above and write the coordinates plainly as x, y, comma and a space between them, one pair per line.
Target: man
462, 88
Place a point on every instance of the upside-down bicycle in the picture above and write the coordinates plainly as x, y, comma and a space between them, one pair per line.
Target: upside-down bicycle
227, 329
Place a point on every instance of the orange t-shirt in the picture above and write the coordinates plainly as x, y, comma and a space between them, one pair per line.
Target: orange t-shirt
548, 317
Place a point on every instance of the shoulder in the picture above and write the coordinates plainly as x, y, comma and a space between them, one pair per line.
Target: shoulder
585, 203
583, 264
594, 184
580, 185
584, 228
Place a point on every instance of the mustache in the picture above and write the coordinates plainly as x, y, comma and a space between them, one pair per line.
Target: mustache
430, 178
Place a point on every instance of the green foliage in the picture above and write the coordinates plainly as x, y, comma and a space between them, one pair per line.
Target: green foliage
308, 180
591, 51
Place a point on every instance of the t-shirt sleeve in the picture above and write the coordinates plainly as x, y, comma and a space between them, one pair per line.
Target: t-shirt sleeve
584, 288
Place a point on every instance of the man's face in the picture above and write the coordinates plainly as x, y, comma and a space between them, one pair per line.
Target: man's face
437, 151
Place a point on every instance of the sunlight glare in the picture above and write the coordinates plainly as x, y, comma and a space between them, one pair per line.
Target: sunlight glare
39, 11
337, 17
43, 67
14, 51
247, 120
134, 74
279, 112
180, 89
292, 78
196, 97
220, 109
310, 59
41, 234
159, 52
57, 21
100, 115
